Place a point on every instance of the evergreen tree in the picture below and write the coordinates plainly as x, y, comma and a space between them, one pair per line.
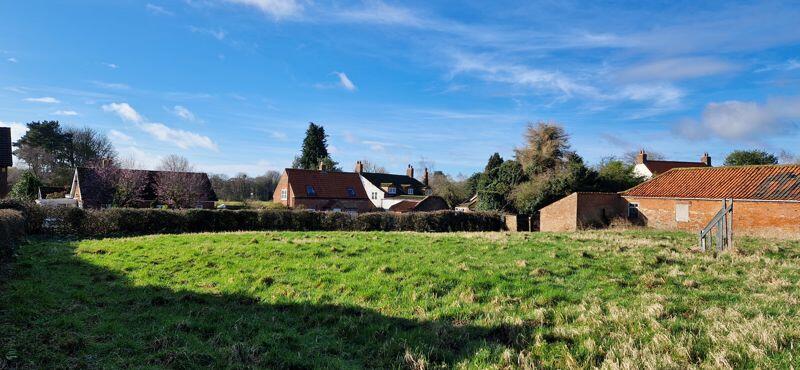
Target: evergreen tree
750, 157
494, 162
315, 148
27, 187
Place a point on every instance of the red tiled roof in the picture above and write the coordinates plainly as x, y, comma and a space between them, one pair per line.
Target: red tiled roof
326, 184
404, 206
659, 167
778, 182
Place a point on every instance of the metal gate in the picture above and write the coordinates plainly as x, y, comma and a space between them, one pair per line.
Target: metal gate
722, 223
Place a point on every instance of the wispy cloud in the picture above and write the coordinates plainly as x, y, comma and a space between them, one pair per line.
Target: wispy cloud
45, 99
676, 69
184, 113
743, 120
157, 10
279, 135
111, 85
789, 65
218, 34
119, 137
275, 8
181, 138
345, 82
12, 60
65, 113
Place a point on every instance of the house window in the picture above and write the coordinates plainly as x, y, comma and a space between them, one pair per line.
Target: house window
284, 194
410, 191
682, 212
310, 191
392, 190
633, 210
374, 195
351, 192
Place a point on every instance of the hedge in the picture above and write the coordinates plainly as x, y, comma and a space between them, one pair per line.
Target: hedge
12, 230
127, 221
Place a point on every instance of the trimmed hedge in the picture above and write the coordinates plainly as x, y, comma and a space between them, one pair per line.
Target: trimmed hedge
125, 221
12, 230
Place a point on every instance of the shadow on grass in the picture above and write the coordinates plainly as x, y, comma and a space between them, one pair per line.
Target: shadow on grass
57, 310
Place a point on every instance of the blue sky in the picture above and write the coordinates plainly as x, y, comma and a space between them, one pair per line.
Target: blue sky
232, 84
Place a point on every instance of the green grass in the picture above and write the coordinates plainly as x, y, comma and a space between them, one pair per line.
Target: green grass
401, 300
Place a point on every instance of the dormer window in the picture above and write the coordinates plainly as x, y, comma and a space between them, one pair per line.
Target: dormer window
410, 191
310, 191
392, 190
351, 192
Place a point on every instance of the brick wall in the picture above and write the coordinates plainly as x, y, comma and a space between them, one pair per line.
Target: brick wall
777, 219
560, 215
283, 183
598, 209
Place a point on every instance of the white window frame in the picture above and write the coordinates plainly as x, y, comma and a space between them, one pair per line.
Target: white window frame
392, 190
284, 194
682, 212
374, 195
410, 191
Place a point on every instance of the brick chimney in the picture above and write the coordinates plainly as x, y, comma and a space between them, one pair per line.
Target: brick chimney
410, 171
425, 177
5, 159
359, 167
706, 159
641, 158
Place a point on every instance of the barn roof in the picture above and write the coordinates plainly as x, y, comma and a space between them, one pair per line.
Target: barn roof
773, 182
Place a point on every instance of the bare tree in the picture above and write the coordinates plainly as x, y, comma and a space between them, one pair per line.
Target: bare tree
175, 163
178, 190
372, 167
546, 147
630, 156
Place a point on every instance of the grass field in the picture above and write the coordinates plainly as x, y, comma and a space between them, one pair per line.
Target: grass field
401, 300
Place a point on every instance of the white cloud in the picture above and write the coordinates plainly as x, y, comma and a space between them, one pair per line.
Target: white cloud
789, 65
124, 111
65, 113
276, 8
111, 65
218, 34
119, 137
677, 69
661, 95
180, 138
46, 100
738, 120
111, 85
345, 82
158, 10
184, 113
516, 74
279, 135
12, 60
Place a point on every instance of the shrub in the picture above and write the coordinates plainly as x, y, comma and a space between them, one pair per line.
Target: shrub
12, 230
124, 221
32, 213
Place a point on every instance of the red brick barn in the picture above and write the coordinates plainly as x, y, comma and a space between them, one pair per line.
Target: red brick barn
766, 199
322, 191
581, 210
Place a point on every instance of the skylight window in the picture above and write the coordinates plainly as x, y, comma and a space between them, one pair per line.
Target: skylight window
351, 192
310, 191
